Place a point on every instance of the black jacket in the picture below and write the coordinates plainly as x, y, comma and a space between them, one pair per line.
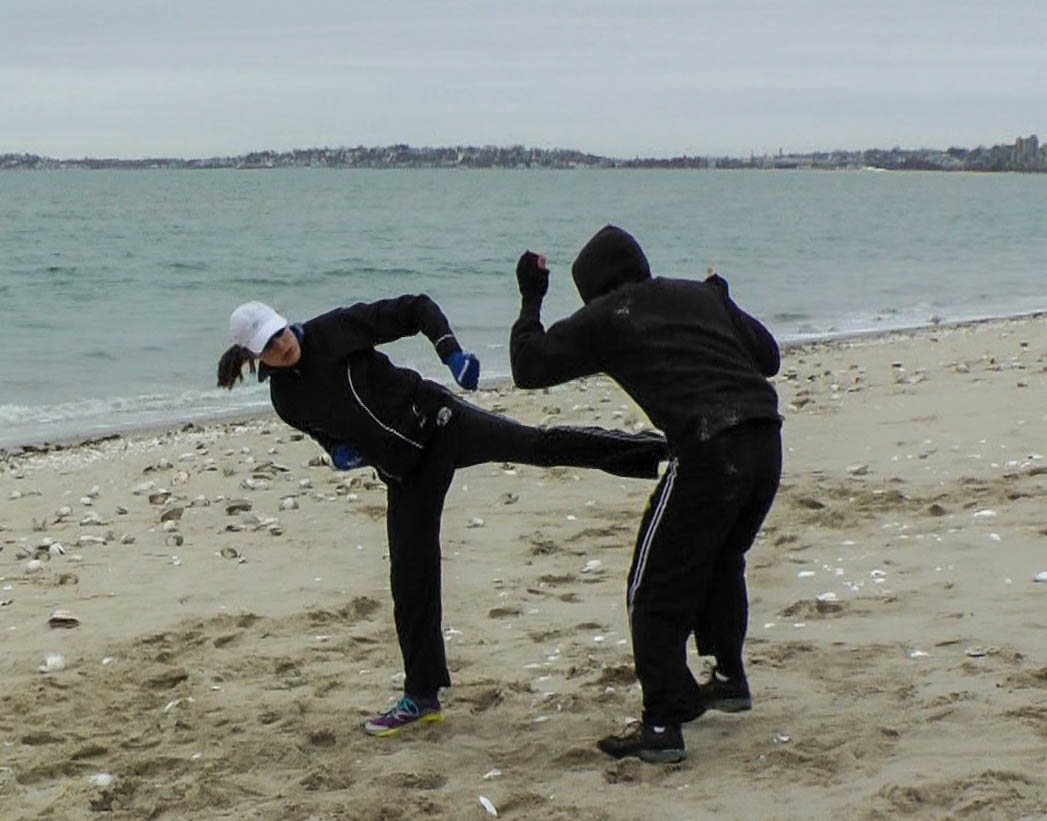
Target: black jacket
693, 360
344, 391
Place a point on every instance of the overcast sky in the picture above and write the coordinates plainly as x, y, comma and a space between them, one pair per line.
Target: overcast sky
198, 78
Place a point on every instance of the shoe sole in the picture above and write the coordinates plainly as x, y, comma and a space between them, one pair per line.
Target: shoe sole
378, 732
730, 705
666, 756
662, 756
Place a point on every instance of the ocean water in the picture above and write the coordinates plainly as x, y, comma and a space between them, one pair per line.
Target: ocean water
116, 286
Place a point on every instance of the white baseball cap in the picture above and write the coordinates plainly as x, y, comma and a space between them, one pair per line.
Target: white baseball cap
252, 324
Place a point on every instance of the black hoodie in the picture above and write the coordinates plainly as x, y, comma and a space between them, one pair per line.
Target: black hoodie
683, 350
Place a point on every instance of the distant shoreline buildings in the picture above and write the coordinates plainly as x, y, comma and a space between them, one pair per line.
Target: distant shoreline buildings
1024, 155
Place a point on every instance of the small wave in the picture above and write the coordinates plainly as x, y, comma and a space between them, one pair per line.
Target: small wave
187, 266
103, 354
70, 270
790, 316
256, 280
24, 424
371, 271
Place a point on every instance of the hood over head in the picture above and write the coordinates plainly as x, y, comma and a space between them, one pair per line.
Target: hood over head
609, 260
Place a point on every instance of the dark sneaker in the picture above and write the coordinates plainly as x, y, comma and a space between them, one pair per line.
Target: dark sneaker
725, 695
656, 745
407, 711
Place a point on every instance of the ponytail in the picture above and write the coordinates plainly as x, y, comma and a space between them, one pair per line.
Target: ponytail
231, 366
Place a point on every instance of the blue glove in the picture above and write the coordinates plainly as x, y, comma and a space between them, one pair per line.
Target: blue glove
345, 457
465, 368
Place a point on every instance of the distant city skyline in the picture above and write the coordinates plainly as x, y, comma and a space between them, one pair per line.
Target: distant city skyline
618, 78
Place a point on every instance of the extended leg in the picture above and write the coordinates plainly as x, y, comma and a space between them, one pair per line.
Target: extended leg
487, 437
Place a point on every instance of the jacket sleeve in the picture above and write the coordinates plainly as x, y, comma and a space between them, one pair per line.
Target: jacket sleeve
759, 342
324, 440
367, 324
540, 358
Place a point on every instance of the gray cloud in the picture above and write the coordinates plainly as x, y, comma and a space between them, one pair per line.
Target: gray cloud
620, 77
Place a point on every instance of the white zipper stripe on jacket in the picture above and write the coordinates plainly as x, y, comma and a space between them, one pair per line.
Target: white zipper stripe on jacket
379, 422
648, 537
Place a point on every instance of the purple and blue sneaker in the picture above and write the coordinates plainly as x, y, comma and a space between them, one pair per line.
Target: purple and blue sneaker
406, 711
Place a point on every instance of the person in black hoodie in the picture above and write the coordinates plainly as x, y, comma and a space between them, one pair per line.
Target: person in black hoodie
698, 366
327, 380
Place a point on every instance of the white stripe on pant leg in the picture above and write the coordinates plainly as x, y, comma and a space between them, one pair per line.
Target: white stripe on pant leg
652, 526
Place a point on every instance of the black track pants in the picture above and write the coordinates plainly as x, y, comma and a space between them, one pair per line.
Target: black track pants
688, 568
473, 436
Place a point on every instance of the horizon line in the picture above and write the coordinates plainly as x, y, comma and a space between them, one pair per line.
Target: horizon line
495, 146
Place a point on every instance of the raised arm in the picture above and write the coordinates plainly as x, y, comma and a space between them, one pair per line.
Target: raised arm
757, 339
541, 358
367, 324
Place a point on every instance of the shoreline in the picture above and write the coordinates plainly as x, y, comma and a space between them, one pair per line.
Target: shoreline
501, 383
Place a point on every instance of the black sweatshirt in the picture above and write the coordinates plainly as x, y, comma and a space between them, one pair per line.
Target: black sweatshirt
344, 391
683, 350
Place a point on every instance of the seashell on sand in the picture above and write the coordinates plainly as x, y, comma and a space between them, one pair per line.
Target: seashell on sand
34, 566
52, 663
485, 802
171, 513
63, 618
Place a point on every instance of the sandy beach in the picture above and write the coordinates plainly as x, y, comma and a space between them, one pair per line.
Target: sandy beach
232, 623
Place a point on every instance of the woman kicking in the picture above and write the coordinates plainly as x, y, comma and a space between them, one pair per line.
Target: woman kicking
327, 380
